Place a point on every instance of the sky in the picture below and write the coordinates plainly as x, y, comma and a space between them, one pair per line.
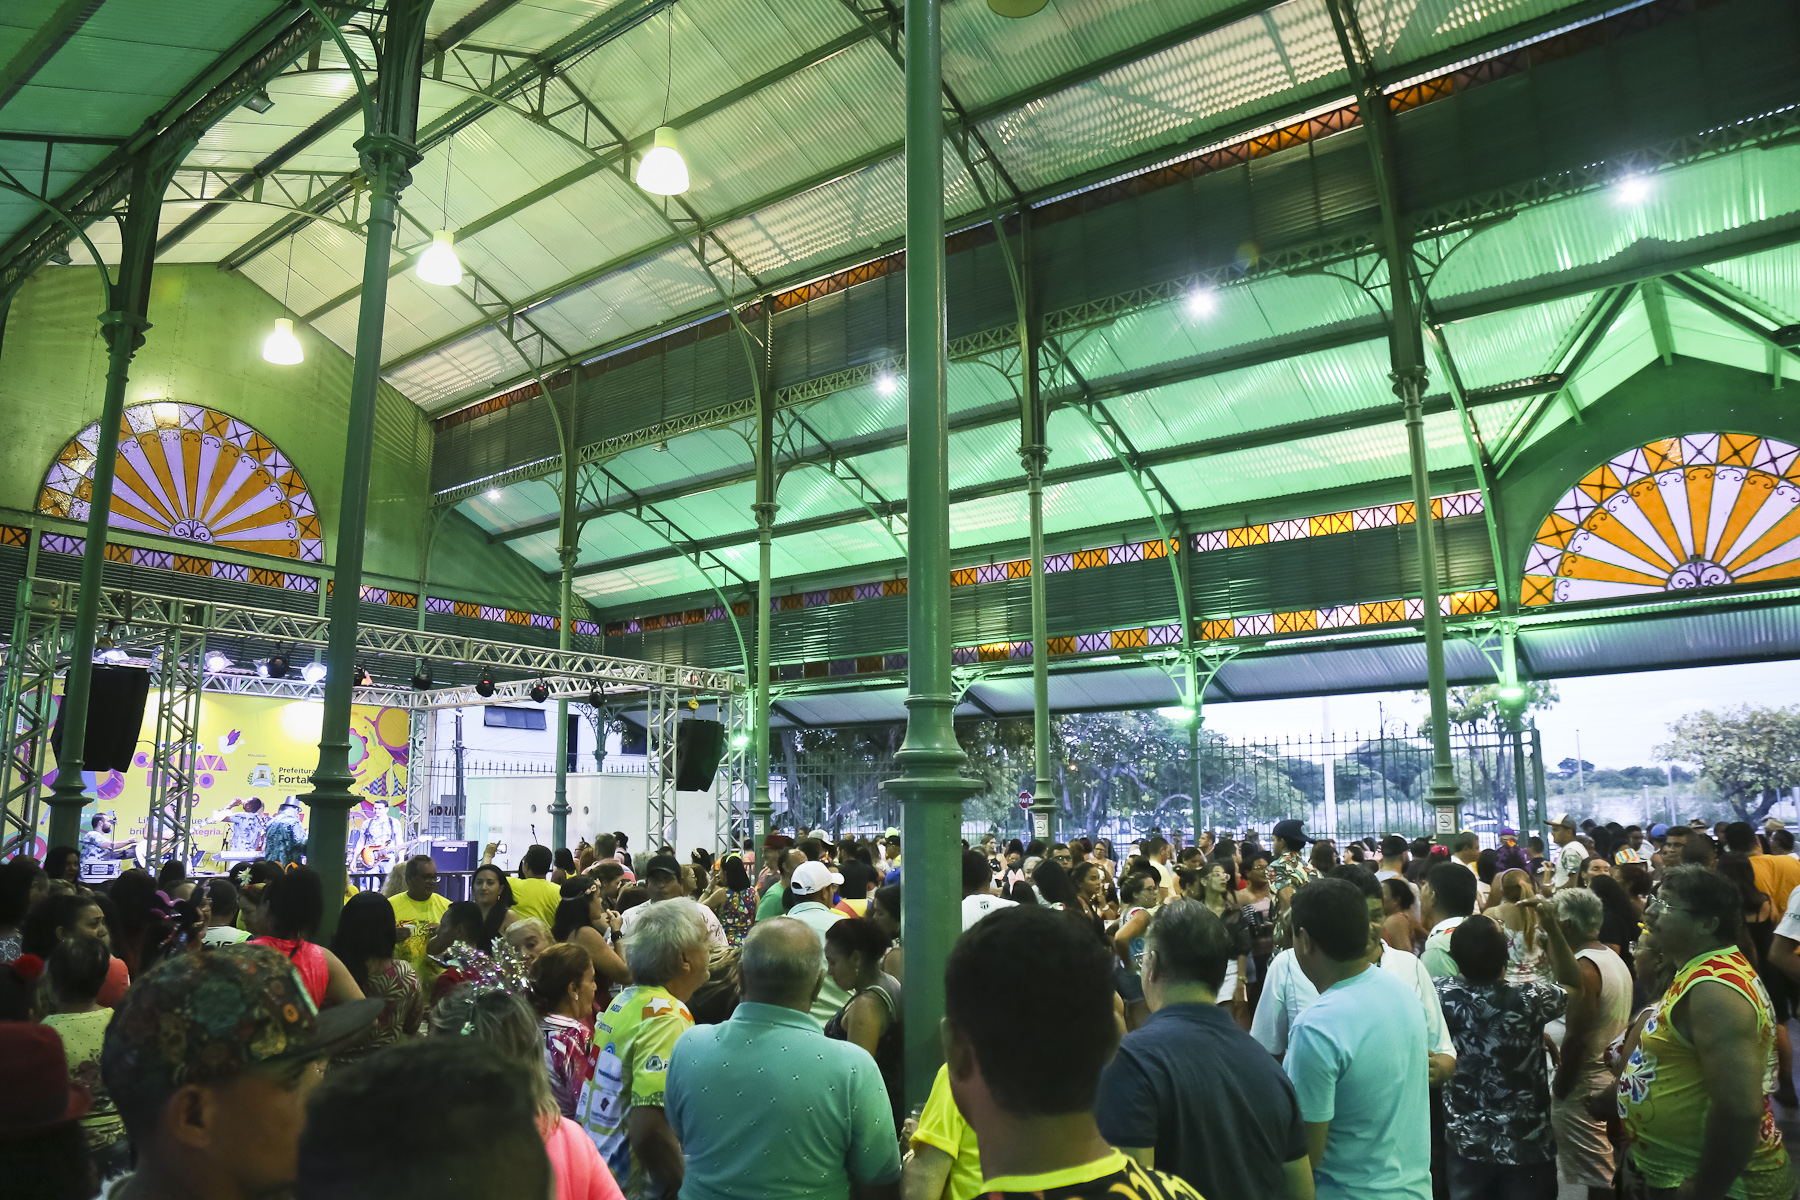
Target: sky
1618, 719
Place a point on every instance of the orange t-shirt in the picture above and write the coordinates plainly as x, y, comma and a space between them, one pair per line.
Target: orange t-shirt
1777, 876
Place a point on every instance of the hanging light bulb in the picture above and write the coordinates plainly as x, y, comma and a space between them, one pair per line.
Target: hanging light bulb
281, 347
439, 263
662, 171
1016, 8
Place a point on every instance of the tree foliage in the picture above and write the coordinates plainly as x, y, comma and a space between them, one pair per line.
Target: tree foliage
1746, 754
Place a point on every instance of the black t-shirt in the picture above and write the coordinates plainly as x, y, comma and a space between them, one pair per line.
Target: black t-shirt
1216, 1106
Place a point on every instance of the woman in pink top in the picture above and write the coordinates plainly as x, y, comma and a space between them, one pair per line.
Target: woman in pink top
286, 918
507, 1023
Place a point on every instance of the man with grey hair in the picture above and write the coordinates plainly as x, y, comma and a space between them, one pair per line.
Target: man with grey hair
1191, 1094
1584, 1153
817, 1118
667, 950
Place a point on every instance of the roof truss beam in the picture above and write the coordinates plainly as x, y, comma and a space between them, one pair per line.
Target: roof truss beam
1100, 468
63, 23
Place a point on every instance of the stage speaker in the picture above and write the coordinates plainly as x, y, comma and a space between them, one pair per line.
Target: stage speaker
115, 715
455, 856
698, 747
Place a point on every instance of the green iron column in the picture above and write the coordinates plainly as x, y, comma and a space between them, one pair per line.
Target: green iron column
1407, 357
761, 740
123, 326
568, 537
388, 152
1034, 451
930, 786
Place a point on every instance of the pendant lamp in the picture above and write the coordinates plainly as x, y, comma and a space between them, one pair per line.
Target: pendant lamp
439, 264
663, 171
281, 347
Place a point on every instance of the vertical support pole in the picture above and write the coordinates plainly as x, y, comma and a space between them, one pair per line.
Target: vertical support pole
1193, 740
568, 533
930, 784
388, 154
1537, 781
123, 326
1034, 451
762, 741
1406, 356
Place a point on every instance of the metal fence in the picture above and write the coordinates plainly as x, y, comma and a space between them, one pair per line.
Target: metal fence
1347, 785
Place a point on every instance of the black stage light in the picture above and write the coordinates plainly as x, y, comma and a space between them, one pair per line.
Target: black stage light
484, 686
360, 677
597, 697
421, 679
540, 692
277, 667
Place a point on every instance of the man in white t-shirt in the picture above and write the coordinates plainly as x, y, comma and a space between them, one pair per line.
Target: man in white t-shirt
1569, 851
978, 889
1287, 992
1465, 848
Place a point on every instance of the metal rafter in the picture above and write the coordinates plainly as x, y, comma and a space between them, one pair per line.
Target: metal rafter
167, 136
1098, 469
616, 22
971, 117
58, 27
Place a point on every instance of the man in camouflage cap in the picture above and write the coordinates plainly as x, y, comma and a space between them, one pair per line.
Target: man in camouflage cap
210, 1059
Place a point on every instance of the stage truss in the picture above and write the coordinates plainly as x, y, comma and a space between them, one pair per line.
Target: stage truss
170, 636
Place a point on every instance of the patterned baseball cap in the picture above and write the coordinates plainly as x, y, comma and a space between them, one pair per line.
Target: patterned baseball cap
195, 1018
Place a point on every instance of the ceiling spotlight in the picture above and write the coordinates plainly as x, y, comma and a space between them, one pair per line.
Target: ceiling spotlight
1633, 189
1176, 712
662, 447
1200, 302
1016, 8
493, 493
421, 680
886, 384
439, 263
281, 347
61, 258
662, 171
216, 662
1512, 691
597, 697
484, 686
313, 672
275, 668
540, 692
259, 101
739, 741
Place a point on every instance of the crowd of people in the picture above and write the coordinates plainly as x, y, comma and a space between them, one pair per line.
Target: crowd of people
1388, 1016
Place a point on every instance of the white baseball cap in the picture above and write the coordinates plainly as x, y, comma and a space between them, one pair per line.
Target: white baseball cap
811, 878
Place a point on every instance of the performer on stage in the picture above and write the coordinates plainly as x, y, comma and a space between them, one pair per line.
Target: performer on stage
285, 841
380, 841
248, 823
96, 847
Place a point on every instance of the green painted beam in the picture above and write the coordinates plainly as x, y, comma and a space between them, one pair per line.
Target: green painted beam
1097, 469
1009, 103
1226, 516
615, 22
63, 23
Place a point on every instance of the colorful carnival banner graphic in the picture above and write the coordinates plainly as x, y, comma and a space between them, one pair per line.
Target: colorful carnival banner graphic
253, 754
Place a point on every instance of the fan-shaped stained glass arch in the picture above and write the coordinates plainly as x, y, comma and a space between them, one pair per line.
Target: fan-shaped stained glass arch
1698, 511
190, 472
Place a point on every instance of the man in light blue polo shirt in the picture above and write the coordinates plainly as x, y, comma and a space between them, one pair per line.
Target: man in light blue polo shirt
1357, 1057
765, 1106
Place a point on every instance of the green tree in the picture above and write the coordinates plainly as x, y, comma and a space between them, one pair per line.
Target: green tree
1745, 754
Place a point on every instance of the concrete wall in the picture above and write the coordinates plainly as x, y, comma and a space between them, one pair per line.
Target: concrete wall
205, 347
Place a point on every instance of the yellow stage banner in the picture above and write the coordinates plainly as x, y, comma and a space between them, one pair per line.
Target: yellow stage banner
253, 753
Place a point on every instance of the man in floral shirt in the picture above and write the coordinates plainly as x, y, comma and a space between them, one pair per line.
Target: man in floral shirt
1497, 1133
1288, 872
